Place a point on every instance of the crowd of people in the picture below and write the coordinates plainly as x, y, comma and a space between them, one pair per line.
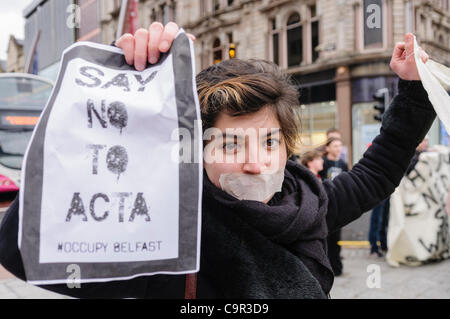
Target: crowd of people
328, 161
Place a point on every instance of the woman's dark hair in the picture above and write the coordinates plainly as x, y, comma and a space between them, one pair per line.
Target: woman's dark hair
239, 87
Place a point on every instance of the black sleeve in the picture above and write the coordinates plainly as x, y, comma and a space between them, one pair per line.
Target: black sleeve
158, 286
413, 163
379, 172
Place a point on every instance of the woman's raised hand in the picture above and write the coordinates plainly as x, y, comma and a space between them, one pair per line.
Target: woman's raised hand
146, 45
403, 62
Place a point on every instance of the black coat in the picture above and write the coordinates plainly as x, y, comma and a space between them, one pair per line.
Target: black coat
244, 256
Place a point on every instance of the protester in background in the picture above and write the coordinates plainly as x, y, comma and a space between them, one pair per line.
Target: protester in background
333, 164
332, 167
313, 161
379, 220
334, 133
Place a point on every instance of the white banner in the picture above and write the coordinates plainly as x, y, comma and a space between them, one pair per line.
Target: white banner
418, 230
101, 187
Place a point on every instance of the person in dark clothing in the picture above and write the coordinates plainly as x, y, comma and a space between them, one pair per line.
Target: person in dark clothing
379, 220
333, 165
276, 247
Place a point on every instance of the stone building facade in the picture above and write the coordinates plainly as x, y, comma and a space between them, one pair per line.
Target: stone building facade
15, 61
336, 58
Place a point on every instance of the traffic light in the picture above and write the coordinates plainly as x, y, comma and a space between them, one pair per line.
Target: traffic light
232, 51
381, 96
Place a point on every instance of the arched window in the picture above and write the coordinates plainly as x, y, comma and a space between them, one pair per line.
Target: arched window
294, 40
217, 51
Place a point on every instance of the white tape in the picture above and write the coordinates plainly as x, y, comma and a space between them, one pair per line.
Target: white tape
258, 187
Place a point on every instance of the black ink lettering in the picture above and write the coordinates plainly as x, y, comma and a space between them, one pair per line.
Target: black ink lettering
140, 208
122, 197
117, 160
91, 207
101, 119
76, 208
417, 176
144, 83
119, 80
429, 195
118, 116
83, 71
95, 148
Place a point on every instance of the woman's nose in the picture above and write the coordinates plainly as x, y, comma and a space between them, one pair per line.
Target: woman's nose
252, 168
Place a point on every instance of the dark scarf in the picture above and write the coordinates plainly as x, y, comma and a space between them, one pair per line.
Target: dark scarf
278, 250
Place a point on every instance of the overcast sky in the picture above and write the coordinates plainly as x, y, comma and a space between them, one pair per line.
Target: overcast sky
11, 22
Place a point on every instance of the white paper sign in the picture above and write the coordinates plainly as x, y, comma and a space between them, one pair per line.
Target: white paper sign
101, 187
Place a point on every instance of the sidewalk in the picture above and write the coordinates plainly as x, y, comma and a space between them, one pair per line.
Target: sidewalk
13, 288
424, 282
430, 281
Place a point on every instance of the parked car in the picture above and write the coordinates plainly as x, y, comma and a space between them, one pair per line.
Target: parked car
22, 99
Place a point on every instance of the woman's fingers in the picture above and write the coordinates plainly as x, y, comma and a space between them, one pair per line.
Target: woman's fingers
409, 47
423, 55
191, 36
146, 45
155, 32
170, 32
399, 50
140, 50
126, 43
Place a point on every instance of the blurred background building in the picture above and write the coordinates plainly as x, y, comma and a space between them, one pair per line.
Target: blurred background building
16, 60
338, 51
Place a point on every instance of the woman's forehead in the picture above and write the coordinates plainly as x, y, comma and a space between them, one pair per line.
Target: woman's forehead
265, 118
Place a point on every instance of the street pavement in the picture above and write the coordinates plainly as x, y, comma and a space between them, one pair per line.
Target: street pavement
425, 282
13, 288
430, 281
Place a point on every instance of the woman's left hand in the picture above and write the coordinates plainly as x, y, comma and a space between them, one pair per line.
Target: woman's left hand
403, 62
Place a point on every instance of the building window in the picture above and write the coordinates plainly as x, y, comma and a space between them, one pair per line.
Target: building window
216, 5
294, 40
315, 39
275, 38
153, 16
316, 119
230, 2
217, 51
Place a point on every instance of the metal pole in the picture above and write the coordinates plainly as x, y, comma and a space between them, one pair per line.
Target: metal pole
122, 16
30, 57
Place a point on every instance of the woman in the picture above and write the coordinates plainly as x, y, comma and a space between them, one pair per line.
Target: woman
275, 247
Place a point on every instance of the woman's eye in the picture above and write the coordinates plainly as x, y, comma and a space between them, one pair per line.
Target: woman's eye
271, 142
230, 147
